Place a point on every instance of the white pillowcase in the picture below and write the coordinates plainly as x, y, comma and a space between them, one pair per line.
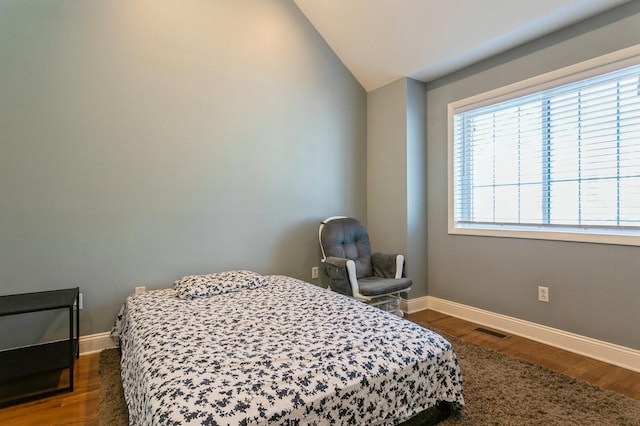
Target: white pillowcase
195, 286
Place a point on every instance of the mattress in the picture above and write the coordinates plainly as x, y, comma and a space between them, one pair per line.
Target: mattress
286, 353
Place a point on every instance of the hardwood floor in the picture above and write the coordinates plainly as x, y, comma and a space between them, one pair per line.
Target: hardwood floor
599, 373
77, 408
81, 406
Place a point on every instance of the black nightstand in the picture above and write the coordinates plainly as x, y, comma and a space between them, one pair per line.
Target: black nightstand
42, 357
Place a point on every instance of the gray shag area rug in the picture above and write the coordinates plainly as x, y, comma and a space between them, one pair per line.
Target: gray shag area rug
499, 390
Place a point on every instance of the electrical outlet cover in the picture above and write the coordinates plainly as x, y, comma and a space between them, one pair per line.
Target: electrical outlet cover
543, 294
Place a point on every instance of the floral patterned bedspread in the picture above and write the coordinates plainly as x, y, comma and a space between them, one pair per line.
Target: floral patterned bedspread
287, 353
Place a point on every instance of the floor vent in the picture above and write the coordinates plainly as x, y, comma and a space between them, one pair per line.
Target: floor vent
491, 333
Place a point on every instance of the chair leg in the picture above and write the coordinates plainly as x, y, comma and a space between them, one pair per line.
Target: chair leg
394, 305
389, 303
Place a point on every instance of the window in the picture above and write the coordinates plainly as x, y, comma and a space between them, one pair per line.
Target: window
555, 157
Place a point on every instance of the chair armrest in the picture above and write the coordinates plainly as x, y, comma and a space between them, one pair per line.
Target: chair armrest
335, 269
336, 262
387, 265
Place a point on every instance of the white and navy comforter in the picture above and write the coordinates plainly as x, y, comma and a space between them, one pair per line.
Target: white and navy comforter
286, 353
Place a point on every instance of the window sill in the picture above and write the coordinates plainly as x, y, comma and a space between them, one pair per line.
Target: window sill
581, 235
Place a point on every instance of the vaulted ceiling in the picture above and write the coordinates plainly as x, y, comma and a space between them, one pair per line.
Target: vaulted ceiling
380, 41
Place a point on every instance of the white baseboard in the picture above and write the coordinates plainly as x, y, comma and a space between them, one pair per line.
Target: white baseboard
95, 343
411, 306
603, 351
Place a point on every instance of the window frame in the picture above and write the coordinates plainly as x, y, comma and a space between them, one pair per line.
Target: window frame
601, 65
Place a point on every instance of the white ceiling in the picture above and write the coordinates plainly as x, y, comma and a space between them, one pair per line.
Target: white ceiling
380, 41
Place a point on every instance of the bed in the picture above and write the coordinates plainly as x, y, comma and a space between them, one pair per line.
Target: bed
281, 352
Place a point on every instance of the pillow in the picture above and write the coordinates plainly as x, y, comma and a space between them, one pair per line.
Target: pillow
194, 286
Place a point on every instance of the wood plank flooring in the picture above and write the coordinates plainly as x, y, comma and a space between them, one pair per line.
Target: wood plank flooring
77, 408
81, 406
599, 373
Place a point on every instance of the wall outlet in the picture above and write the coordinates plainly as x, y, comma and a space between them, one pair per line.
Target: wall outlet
314, 272
543, 294
140, 289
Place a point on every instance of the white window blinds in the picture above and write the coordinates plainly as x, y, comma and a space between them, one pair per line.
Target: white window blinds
566, 158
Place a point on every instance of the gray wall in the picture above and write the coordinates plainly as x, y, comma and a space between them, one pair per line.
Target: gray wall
144, 140
416, 188
396, 175
594, 288
387, 167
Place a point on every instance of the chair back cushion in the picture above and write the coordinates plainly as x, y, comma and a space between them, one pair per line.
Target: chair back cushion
347, 238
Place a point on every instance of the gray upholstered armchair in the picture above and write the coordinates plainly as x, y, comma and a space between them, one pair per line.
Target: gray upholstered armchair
352, 269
